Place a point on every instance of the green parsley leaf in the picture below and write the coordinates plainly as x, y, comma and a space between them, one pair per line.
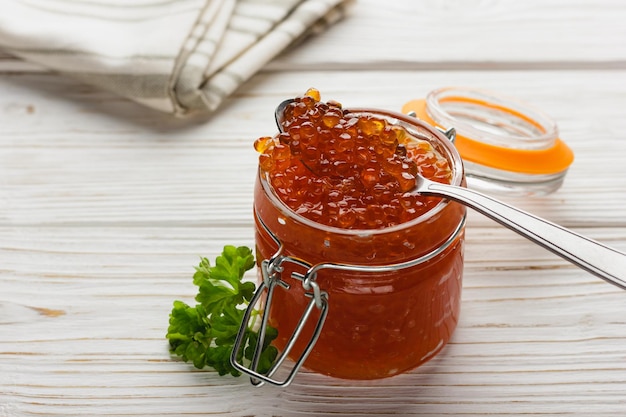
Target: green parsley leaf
205, 334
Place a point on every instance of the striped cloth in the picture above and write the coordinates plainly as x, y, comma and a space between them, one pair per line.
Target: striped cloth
178, 56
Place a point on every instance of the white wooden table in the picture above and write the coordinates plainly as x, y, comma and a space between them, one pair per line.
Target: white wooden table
106, 206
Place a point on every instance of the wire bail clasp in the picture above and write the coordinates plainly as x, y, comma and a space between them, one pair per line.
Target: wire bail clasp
271, 270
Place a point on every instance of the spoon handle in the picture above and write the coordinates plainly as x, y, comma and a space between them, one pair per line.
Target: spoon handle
596, 258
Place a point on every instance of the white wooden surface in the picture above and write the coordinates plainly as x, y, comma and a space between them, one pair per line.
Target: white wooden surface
105, 207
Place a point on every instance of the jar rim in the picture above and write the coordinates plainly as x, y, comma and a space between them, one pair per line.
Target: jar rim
541, 131
413, 126
523, 160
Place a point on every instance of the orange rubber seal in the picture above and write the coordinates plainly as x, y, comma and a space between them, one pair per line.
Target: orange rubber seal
552, 160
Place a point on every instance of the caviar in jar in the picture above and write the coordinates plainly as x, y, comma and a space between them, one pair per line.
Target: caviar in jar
335, 187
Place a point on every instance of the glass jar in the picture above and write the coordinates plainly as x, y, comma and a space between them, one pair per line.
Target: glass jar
393, 294
508, 147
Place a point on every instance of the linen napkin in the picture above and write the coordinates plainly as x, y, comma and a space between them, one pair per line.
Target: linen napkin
178, 56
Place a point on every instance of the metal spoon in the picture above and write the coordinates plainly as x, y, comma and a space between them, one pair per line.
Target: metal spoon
598, 259
594, 257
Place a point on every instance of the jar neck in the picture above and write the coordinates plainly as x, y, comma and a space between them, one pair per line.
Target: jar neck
316, 243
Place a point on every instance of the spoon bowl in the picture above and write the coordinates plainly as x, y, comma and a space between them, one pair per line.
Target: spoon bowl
279, 113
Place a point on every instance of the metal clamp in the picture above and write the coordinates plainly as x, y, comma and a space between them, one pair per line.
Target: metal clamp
449, 133
271, 270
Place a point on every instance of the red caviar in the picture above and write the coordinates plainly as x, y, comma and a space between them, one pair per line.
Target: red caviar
348, 170
336, 187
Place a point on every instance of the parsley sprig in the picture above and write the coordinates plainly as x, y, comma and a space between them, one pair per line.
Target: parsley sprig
205, 334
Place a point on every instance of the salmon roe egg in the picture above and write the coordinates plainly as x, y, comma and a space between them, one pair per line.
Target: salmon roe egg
347, 170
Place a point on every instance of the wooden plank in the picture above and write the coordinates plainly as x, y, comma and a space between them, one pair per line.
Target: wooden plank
90, 338
119, 162
480, 34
